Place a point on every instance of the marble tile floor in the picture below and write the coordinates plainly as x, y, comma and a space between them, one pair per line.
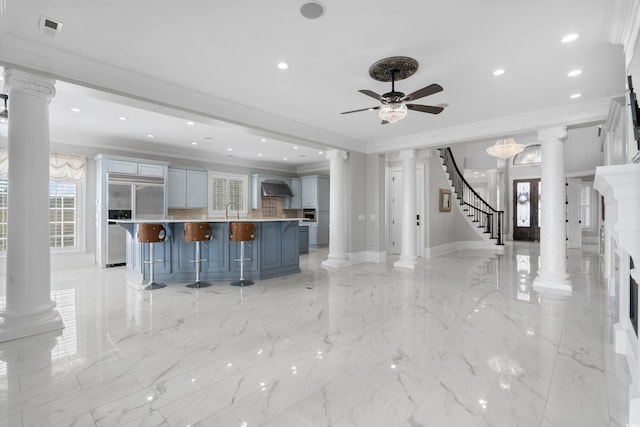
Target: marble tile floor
463, 340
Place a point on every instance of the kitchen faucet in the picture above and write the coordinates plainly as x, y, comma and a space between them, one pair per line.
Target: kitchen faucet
226, 210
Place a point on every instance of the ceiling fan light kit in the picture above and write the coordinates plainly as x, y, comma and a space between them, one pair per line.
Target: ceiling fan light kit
393, 106
393, 112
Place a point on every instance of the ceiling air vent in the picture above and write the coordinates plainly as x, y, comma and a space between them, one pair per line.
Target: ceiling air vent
49, 26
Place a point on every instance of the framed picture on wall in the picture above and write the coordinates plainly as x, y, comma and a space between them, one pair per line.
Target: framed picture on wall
445, 200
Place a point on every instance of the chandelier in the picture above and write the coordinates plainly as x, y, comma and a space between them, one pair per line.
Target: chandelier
392, 112
505, 148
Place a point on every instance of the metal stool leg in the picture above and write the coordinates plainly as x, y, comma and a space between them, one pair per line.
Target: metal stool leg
152, 282
242, 282
198, 284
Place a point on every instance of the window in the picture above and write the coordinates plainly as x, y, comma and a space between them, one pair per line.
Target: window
587, 205
62, 214
66, 189
227, 188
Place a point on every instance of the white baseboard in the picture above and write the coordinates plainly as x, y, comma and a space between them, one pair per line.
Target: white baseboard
457, 246
367, 256
60, 261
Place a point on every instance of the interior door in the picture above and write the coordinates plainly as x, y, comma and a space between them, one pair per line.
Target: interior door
395, 226
395, 217
526, 209
574, 224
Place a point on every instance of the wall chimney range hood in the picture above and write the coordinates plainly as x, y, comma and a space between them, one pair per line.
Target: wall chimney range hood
276, 189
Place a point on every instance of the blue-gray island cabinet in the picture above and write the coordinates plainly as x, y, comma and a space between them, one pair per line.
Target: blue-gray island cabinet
274, 252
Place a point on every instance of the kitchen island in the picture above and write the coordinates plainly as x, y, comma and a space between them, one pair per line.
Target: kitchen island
273, 253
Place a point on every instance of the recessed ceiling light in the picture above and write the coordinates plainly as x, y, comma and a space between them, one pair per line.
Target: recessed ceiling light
574, 73
284, 158
263, 140
123, 118
229, 149
150, 135
295, 147
191, 123
75, 110
194, 143
259, 154
283, 65
575, 95
320, 152
569, 38
498, 72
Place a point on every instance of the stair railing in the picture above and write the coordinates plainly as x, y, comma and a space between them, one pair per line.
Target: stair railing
476, 207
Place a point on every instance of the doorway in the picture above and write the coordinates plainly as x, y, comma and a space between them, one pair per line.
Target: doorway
526, 209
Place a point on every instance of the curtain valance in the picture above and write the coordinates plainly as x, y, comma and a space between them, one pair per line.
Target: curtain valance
62, 167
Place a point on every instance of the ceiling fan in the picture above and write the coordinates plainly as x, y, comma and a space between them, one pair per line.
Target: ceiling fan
394, 104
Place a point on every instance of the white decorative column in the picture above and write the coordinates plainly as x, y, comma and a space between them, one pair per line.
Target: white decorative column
492, 188
552, 274
337, 235
408, 258
29, 308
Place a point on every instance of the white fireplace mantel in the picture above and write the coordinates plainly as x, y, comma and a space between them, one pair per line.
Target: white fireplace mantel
620, 186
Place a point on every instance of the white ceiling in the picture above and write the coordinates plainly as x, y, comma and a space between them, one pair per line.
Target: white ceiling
162, 63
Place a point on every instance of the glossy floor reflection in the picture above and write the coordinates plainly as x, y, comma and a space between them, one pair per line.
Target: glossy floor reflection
462, 341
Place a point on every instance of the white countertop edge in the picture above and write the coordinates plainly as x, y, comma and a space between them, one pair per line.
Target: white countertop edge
177, 221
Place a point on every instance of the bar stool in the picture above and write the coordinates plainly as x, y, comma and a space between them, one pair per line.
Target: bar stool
197, 232
152, 234
242, 232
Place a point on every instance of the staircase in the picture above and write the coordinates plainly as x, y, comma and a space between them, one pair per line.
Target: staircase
489, 220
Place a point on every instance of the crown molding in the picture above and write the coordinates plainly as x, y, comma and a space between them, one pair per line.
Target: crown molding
170, 152
622, 25
23, 54
577, 114
313, 168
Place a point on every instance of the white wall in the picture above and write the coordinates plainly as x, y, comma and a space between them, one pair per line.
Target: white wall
376, 203
356, 209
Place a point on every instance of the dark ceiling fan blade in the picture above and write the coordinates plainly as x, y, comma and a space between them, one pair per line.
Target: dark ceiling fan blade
371, 94
362, 109
384, 122
425, 108
425, 91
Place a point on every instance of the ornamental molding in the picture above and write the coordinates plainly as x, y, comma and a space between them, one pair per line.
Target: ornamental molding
17, 81
337, 154
553, 134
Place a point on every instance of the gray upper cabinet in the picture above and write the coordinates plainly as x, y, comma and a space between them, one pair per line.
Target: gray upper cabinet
315, 192
187, 188
296, 190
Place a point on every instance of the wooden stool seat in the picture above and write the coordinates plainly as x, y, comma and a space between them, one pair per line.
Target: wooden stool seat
152, 234
197, 232
242, 232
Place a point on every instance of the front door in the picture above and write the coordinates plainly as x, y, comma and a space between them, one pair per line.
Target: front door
526, 209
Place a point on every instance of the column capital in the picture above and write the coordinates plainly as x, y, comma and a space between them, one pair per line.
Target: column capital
408, 154
337, 154
553, 134
18, 81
